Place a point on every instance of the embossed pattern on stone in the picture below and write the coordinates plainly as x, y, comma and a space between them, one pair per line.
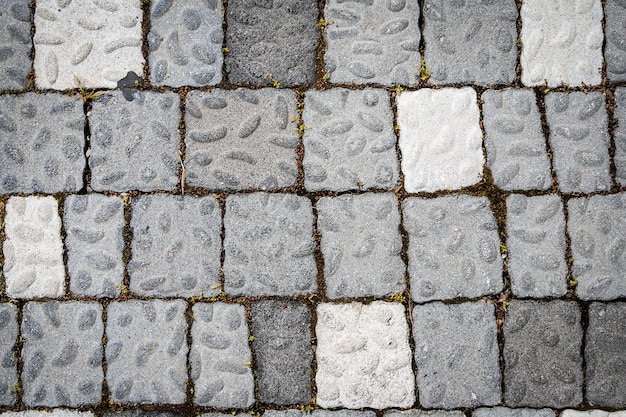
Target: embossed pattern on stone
424, 413
141, 413
8, 362
620, 136
318, 413
512, 412
15, 43
615, 45
593, 413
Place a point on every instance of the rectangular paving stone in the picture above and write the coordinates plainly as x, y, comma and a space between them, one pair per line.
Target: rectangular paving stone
15, 44
424, 413
513, 412
615, 45
8, 362
593, 413
57, 412
318, 413
620, 136
141, 413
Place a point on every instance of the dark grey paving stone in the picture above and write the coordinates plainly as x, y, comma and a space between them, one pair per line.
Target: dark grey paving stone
513, 412
94, 227
424, 413
176, 246
516, 147
543, 363
620, 136
42, 138
241, 139
456, 353
269, 245
579, 140
615, 43
146, 352
15, 43
361, 245
8, 363
271, 40
134, 144
282, 343
350, 143
62, 354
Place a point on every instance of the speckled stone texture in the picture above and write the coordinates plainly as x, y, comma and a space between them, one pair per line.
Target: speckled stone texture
58, 412
620, 136
424, 413
542, 355
8, 362
15, 44
318, 413
615, 49
141, 413
513, 412
593, 413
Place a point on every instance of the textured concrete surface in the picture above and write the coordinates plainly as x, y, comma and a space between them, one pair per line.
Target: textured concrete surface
513, 412
615, 47
620, 136
8, 362
15, 43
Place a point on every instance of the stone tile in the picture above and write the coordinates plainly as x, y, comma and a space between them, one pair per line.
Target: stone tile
185, 42
456, 353
372, 42
42, 137
350, 143
361, 245
141, 413
424, 413
92, 43
593, 413
453, 248
51, 413
33, 251
543, 363
62, 354
176, 246
282, 344
8, 363
15, 44
615, 49
269, 245
146, 352
620, 136
318, 413
597, 226
516, 147
513, 412
470, 42
455, 159
94, 226
561, 43
134, 144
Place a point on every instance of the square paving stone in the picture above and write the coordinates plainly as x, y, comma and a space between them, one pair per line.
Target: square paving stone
62, 354
349, 143
134, 144
513, 412
471, 42
42, 138
94, 226
424, 413
615, 49
361, 245
542, 354
363, 356
15, 44
241, 139
146, 352
620, 136
8, 363
176, 246
453, 248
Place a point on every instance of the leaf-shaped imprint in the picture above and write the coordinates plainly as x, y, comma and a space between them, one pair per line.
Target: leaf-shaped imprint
289, 142
529, 236
318, 106
547, 211
365, 247
240, 156
248, 126
143, 353
361, 70
121, 43
350, 344
68, 355
161, 8
107, 5
572, 133
281, 113
545, 262
589, 158
371, 122
88, 24
52, 67
87, 236
336, 127
174, 49
332, 260
47, 39
509, 125
394, 26
81, 53
486, 250
209, 135
23, 281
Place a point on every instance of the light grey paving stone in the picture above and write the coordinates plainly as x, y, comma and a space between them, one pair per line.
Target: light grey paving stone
597, 226
220, 356
471, 42
176, 246
269, 245
241, 139
8, 363
15, 44
593, 413
94, 227
141, 413
580, 140
134, 144
516, 147
146, 352
456, 353
453, 247
615, 44
62, 354
424, 413
282, 344
372, 42
57, 412
542, 355
350, 143
318, 413
535, 229
620, 136
513, 412
361, 245
42, 138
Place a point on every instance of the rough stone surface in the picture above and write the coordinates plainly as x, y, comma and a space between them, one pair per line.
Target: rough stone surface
620, 136
141, 413
8, 363
318, 413
593, 413
52, 413
615, 48
424, 413
15, 43
350, 143
513, 412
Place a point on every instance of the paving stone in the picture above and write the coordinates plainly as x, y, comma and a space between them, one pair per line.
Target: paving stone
424, 413
456, 353
579, 140
535, 228
271, 41
593, 413
176, 246
615, 44
33, 252
134, 144
470, 41
597, 226
350, 143
141, 413
440, 139
543, 363
94, 226
318, 413
62, 354
361, 245
620, 136
42, 143
220, 356
269, 245
52, 413
241, 139
516, 147
513, 412
561, 42
94, 44
146, 352
8, 363
373, 42
282, 344
15, 44
453, 248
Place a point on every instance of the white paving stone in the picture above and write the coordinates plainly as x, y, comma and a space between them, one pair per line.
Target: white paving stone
593, 413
